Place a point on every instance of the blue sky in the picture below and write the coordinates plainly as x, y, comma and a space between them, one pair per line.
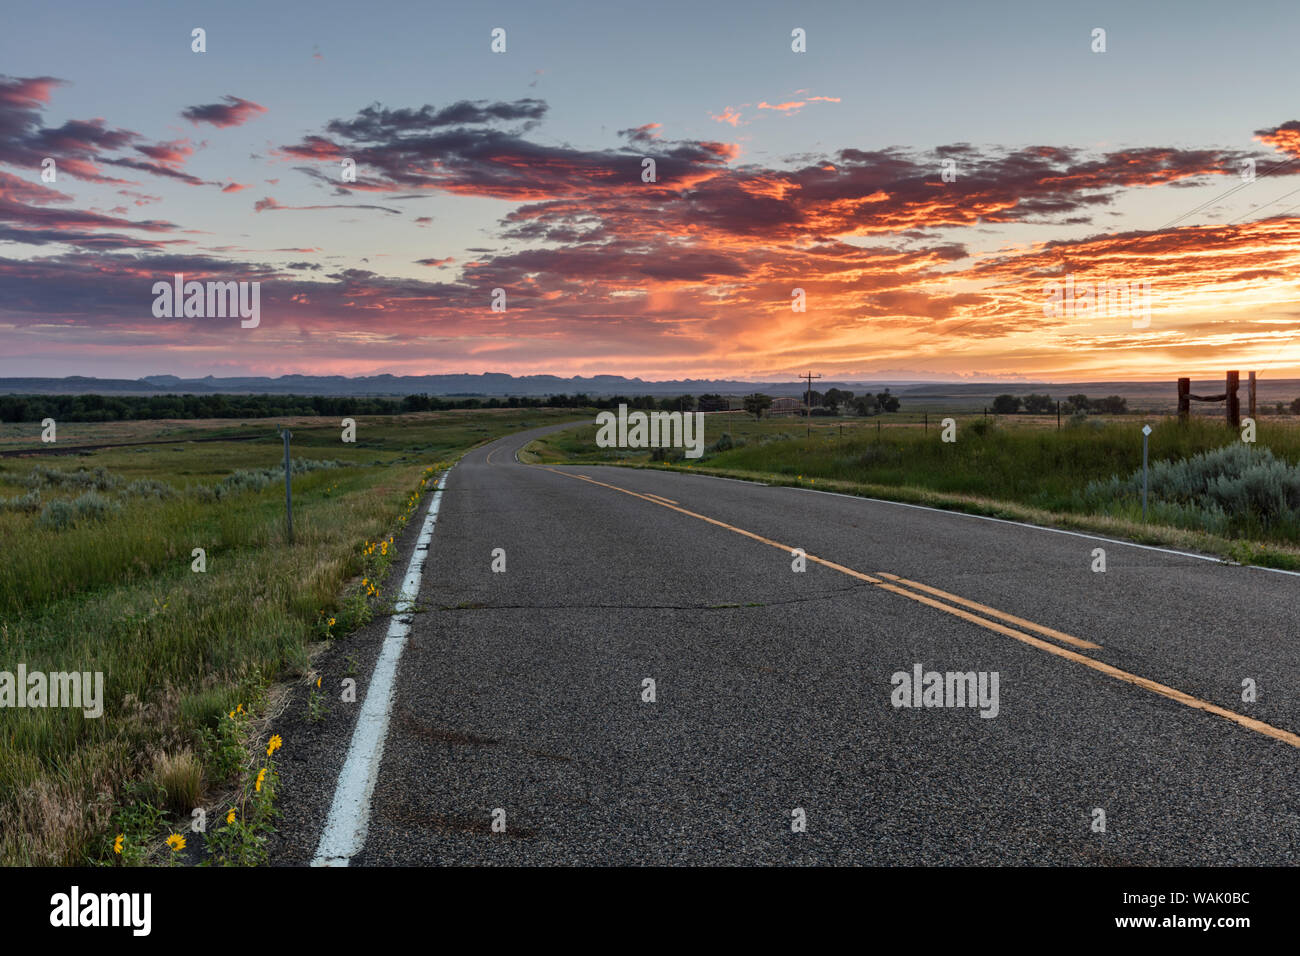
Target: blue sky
1002, 77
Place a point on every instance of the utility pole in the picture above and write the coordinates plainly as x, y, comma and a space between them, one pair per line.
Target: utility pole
808, 400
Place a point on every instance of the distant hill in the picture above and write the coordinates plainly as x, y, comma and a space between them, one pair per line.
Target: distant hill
486, 385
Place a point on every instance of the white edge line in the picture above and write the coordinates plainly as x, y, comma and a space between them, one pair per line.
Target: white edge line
349, 817
1039, 527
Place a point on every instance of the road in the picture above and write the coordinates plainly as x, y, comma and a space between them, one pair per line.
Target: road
1119, 692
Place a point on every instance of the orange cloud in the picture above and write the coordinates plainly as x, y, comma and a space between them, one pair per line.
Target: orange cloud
728, 115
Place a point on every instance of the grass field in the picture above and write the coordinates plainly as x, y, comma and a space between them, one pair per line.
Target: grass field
97, 575
1235, 501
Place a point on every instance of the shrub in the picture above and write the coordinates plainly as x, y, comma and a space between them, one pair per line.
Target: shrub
96, 479
724, 443
57, 516
246, 480
149, 488
1233, 488
92, 506
28, 502
204, 494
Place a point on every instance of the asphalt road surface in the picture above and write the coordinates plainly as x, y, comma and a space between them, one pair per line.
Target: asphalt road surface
1119, 692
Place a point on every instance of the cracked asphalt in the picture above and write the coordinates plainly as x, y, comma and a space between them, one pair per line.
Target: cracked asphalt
522, 691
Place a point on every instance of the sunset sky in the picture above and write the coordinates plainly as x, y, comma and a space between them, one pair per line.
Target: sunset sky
776, 170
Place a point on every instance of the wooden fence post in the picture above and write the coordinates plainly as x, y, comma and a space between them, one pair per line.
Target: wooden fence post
1251, 393
1234, 400
1184, 398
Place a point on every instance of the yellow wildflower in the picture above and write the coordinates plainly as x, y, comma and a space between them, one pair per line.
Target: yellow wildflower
261, 776
117, 845
176, 842
274, 744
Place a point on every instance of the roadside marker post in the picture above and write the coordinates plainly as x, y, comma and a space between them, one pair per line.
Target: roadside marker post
288, 484
1146, 435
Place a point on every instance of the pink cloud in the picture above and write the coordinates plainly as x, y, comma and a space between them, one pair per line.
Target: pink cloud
728, 115
235, 111
793, 106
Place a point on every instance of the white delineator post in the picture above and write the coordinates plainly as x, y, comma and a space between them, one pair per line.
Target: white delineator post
1146, 434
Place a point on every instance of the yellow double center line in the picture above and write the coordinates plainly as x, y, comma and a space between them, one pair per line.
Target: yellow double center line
893, 583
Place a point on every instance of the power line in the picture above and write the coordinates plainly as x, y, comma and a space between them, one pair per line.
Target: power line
1210, 202
1265, 206
808, 395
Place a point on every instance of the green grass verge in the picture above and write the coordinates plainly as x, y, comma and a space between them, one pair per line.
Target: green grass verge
115, 592
1020, 468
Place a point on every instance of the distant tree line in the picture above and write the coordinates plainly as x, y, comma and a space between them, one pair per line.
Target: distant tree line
1046, 405
829, 402
112, 408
